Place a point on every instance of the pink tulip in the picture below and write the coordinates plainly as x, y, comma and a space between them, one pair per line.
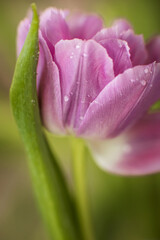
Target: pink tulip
99, 83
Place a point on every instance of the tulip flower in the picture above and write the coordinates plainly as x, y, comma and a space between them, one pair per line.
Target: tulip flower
98, 83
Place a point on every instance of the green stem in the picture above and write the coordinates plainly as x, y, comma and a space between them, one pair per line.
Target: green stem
80, 187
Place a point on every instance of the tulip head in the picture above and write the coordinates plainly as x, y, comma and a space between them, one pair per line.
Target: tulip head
93, 82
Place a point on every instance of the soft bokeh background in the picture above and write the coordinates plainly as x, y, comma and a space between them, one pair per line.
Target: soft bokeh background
121, 208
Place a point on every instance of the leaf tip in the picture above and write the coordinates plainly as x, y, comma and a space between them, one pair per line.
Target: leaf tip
34, 10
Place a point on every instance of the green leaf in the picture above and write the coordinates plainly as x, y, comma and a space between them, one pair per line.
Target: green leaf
49, 183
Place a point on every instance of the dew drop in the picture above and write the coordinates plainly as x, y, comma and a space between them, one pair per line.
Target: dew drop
77, 46
132, 80
71, 56
120, 45
143, 82
81, 117
84, 55
146, 70
66, 98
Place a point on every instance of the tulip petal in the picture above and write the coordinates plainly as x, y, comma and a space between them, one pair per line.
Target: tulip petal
22, 32
53, 26
118, 50
137, 47
118, 27
121, 25
85, 69
49, 90
136, 152
84, 26
153, 48
124, 32
122, 102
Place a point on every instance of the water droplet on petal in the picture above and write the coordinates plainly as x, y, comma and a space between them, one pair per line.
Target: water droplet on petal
146, 70
81, 117
66, 98
84, 55
143, 82
120, 44
71, 56
77, 46
132, 80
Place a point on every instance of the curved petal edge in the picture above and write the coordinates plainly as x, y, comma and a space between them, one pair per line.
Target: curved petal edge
135, 152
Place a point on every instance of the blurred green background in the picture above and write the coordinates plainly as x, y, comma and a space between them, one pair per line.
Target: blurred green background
122, 208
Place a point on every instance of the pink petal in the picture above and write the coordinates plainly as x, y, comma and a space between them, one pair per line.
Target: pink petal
22, 32
53, 25
49, 90
137, 47
121, 25
118, 50
135, 42
85, 69
122, 102
84, 26
118, 27
153, 48
137, 152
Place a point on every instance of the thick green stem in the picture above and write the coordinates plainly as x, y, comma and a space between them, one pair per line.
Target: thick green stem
80, 188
